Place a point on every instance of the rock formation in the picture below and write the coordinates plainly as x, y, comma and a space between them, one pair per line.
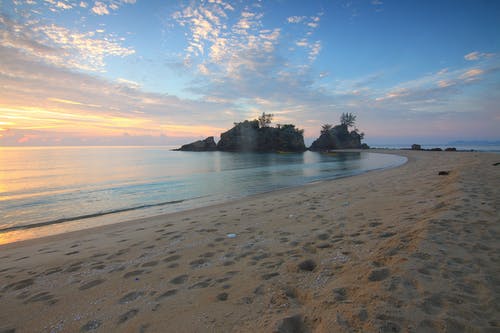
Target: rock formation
416, 147
337, 137
249, 136
201, 145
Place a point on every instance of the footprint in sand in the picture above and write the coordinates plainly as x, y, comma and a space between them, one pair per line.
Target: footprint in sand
91, 284
199, 263
172, 258
19, 285
150, 263
130, 297
127, 315
91, 326
133, 273
166, 294
180, 279
42, 297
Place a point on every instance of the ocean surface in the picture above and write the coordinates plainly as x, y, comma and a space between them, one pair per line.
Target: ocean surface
50, 190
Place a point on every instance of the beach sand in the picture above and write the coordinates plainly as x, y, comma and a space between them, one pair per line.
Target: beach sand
399, 250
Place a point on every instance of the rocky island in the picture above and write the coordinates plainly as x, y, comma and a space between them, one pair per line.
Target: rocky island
339, 137
258, 136
201, 145
254, 136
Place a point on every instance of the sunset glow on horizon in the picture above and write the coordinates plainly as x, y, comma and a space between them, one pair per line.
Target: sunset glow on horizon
155, 72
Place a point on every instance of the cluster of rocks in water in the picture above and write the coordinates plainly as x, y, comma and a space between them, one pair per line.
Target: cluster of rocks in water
249, 136
419, 147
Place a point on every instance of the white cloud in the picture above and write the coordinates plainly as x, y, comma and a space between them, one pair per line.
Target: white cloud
315, 49
100, 8
477, 56
63, 5
471, 74
129, 83
296, 19
60, 46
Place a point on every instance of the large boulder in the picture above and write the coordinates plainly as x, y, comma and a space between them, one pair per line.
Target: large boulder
416, 147
201, 145
338, 137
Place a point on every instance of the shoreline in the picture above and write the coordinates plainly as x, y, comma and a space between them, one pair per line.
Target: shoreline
11, 231
400, 249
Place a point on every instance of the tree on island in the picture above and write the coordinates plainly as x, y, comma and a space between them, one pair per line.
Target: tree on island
265, 119
347, 119
325, 129
339, 136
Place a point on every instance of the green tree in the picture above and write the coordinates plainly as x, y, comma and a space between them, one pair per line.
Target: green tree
325, 129
347, 119
265, 119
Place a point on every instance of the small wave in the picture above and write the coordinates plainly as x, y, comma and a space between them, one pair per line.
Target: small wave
86, 216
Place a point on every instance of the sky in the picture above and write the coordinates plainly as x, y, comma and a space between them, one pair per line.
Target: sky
147, 72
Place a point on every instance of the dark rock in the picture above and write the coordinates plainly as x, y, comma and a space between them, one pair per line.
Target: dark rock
390, 327
443, 173
363, 315
222, 296
201, 145
340, 294
451, 149
307, 265
416, 147
338, 137
249, 137
292, 324
436, 149
378, 274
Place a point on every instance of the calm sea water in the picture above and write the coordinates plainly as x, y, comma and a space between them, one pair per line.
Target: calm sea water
51, 190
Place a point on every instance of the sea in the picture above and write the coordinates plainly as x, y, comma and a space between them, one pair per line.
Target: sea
51, 190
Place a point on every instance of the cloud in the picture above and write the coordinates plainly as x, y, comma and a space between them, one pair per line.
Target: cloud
239, 58
128, 83
61, 46
473, 56
296, 19
315, 49
471, 74
56, 102
63, 5
100, 8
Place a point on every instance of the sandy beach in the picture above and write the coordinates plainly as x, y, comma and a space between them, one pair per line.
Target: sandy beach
399, 250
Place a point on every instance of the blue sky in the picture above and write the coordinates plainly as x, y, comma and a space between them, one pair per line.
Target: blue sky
163, 72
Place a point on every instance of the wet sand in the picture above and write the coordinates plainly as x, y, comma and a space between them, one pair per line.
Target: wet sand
400, 250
